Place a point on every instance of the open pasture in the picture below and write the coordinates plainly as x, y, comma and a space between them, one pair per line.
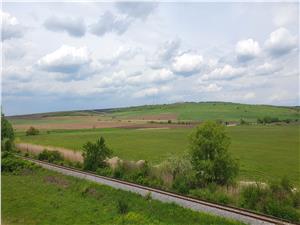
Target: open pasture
264, 152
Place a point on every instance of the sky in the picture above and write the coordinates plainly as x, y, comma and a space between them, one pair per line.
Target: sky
71, 56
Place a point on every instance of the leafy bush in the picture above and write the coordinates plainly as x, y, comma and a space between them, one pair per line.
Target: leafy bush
181, 184
94, 155
104, 171
7, 130
211, 195
7, 145
12, 164
119, 172
209, 155
243, 122
277, 200
122, 206
32, 131
50, 156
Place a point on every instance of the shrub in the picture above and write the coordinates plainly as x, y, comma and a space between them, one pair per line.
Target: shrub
50, 156
243, 122
107, 171
119, 172
169, 121
94, 154
122, 206
211, 195
277, 200
7, 145
32, 131
209, 155
12, 164
181, 184
6, 129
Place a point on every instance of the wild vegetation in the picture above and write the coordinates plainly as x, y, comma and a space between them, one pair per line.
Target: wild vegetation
256, 147
46, 197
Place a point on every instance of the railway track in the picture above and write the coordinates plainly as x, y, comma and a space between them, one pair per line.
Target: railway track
234, 213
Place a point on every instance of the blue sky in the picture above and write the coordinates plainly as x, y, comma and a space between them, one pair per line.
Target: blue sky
65, 56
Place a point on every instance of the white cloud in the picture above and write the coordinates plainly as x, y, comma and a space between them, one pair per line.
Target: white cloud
73, 26
281, 42
209, 88
110, 23
149, 92
187, 63
164, 53
224, 73
249, 95
266, 69
66, 59
11, 28
136, 9
247, 49
153, 76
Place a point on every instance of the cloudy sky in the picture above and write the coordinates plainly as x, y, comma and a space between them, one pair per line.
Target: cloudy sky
65, 56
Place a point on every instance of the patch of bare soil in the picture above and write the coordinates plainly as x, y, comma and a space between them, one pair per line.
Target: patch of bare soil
36, 149
59, 181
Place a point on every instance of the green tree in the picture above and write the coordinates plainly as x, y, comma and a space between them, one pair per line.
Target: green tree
209, 154
7, 134
7, 130
32, 131
94, 154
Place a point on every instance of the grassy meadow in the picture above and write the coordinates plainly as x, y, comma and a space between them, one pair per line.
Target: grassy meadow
44, 197
211, 111
183, 111
264, 152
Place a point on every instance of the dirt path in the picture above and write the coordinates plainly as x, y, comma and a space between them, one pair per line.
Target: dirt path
36, 149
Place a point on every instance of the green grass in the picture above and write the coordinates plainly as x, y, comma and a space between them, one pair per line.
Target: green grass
264, 152
31, 199
184, 111
212, 111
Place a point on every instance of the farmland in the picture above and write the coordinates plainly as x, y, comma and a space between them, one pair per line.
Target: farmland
264, 152
59, 199
126, 117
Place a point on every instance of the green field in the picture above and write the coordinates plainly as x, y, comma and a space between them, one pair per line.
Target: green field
264, 152
212, 111
44, 198
184, 111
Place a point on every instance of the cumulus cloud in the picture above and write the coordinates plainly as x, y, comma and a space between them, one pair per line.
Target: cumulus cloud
66, 59
11, 28
164, 53
266, 69
110, 23
122, 53
136, 9
249, 95
187, 63
247, 49
73, 26
213, 87
152, 91
156, 76
14, 50
281, 42
224, 73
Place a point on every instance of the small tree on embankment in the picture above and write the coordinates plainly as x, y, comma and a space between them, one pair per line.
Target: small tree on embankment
209, 155
94, 155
